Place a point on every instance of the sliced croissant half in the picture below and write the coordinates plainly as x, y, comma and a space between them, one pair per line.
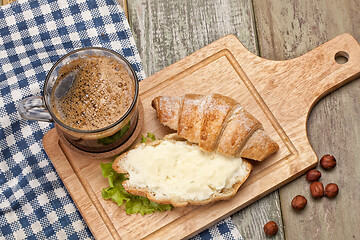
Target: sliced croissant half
217, 123
175, 171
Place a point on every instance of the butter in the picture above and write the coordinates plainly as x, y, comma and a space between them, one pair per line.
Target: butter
179, 170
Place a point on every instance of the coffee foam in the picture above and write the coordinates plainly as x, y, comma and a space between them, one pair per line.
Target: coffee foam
100, 95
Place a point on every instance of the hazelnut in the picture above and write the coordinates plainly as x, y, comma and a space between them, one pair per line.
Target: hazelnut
299, 202
328, 162
317, 189
313, 175
270, 228
331, 190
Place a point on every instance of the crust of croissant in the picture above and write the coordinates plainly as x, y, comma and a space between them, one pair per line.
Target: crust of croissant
167, 109
259, 146
146, 192
215, 111
190, 117
230, 132
240, 126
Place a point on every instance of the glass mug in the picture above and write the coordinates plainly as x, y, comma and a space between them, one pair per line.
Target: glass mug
91, 94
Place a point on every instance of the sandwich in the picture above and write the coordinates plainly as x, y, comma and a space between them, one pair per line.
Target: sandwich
206, 160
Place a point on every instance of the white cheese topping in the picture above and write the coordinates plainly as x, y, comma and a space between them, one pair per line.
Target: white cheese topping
182, 171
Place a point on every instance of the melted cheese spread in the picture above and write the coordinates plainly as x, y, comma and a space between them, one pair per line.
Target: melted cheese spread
179, 170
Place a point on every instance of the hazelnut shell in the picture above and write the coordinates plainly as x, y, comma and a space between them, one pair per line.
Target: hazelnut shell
313, 175
317, 189
271, 228
331, 190
328, 162
299, 202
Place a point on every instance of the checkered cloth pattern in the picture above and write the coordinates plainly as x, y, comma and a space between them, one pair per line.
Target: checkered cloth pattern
34, 34
224, 230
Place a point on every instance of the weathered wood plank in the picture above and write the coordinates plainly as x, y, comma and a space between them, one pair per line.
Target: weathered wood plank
291, 28
251, 220
166, 31
288, 29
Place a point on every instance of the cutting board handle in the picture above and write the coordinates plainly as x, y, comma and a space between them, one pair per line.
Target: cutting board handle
300, 82
296, 85
326, 68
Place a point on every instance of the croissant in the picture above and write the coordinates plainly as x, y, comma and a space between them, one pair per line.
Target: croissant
217, 123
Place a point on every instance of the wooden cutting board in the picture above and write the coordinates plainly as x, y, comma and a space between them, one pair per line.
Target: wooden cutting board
278, 93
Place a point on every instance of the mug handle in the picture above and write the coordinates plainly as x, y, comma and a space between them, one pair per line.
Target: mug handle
33, 108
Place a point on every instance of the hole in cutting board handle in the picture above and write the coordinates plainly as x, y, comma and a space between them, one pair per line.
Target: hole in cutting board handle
341, 57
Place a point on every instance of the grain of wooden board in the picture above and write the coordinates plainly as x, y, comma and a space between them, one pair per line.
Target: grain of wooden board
4, 2
287, 29
278, 93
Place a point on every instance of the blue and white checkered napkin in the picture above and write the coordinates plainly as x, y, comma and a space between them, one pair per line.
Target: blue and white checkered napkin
34, 34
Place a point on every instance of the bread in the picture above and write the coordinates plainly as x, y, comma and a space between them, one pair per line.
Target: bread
217, 123
174, 171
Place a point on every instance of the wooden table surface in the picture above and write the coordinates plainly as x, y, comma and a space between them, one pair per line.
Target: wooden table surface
166, 31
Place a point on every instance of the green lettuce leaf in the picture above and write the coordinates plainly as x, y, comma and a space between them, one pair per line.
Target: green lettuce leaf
116, 192
113, 138
149, 137
143, 206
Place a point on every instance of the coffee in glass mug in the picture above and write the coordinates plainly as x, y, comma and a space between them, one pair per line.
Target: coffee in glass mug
92, 96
